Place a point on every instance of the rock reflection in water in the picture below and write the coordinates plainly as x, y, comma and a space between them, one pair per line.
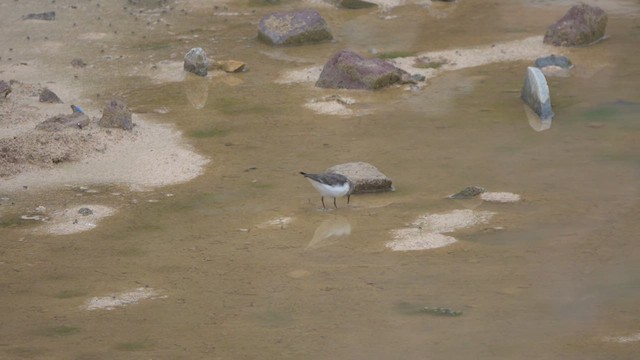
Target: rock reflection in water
329, 231
196, 88
535, 121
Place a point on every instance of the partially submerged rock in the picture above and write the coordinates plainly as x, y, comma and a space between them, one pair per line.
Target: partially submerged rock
116, 115
353, 4
293, 28
554, 65
469, 192
535, 93
348, 70
231, 66
365, 177
196, 61
581, 25
48, 96
49, 15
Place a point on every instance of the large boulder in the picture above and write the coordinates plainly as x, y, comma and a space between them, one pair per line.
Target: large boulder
116, 115
581, 25
535, 93
293, 28
365, 177
348, 70
196, 61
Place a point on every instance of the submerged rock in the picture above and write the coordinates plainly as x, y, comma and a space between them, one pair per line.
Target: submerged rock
293, 28
581, 25
552, 60
50, 15
116, 115
348, 70
365, 177
48, 96
196, 61
535, 93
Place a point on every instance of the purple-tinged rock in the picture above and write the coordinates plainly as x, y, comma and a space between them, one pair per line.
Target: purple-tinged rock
48, 96
116, 115
348, 70
5, 89
293, 28
581, 25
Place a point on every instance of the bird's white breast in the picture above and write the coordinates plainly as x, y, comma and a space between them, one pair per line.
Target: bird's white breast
332, 191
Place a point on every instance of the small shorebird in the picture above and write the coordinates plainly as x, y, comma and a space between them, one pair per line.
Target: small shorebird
330, 184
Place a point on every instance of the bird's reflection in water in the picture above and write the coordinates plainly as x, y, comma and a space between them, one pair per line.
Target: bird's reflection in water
329, 232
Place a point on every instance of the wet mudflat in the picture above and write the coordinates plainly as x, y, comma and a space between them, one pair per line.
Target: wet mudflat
242, 262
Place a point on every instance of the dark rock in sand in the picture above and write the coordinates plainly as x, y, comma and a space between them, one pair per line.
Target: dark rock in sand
348, 70
61, 122
116, 115
5, 89
581, 25
293, 28
535, 93
78, 63
50, 15
365, 177
85, 211
196, 61
48, 96
353, 4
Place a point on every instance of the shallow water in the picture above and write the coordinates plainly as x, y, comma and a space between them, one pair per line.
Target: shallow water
550, 277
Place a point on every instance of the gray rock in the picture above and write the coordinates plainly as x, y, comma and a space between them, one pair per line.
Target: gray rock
469, 192
50, 15
116, 115
535, 93
5, 89
48, 96
78, 63
365, 177
61, 122
85, 211
552, 60
581, 25
293, 28
348, 70
196, 61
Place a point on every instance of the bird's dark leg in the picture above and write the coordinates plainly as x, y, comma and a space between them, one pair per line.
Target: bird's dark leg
334, 203
348, 198
322, 199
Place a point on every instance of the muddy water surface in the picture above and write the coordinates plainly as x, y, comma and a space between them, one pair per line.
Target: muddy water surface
554, 276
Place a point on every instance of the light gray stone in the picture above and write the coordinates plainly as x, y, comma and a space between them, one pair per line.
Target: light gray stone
535, 93
196, 61
365, 177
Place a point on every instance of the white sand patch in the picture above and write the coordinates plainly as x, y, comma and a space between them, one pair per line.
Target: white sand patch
416, 239
150, 155
308, 74
71, 221
452, 221
623, 339
503, 197
92, 36
426, 231
118, 300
